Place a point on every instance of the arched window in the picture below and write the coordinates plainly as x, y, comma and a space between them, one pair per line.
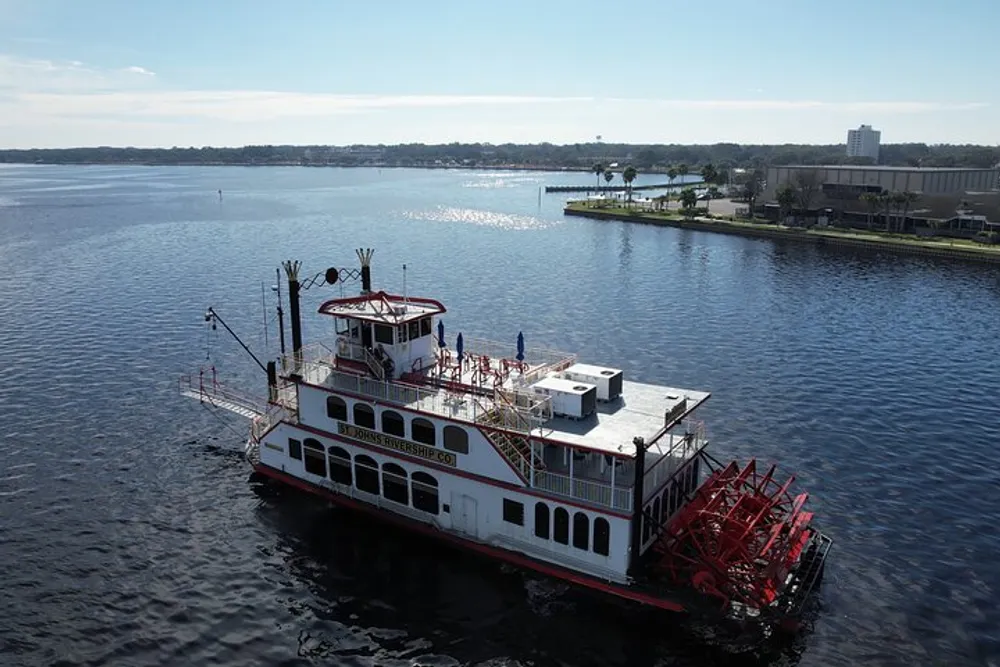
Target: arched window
456, 439
668, 511
560, 528
340, 466
542, 521
425, 492
675, 495
315, 457
393, 424
422, 430
336, 408
395, 486
657, 511
364, 416
602, 536
366, 474
581, 531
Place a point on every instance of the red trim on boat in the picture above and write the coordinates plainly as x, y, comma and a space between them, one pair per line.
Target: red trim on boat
502, 554
384, 297
452, 471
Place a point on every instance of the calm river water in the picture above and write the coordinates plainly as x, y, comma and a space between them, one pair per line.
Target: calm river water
132, 536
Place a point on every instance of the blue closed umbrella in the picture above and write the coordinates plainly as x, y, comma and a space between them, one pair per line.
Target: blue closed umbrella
459, 344
441, 342
520, 346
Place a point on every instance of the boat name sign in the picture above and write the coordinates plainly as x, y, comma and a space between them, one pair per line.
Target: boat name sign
400, 445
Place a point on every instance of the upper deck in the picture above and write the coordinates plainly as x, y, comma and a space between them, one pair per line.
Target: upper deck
641, 410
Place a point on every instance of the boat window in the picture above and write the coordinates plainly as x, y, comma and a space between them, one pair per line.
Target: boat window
395, 486
581, 531
602, 536
422, 430
657, 511
295, 448
336, 408
366, 474
668, 511
425, 326
647, 524
513, 512
364, 416
456, 439
315, 457
401, 333
542, 521
675, 496
393, 424
414, 330
340, 466
560, 529
383, 334
425, 492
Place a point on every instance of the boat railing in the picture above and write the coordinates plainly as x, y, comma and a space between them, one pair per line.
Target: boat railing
518, 411
275, 413
500, 350
597, 493
207, 389
680, 450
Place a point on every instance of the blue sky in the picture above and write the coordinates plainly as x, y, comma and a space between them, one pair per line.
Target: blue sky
230, 72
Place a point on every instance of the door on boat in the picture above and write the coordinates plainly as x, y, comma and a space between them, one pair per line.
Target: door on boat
463, 514
366, 335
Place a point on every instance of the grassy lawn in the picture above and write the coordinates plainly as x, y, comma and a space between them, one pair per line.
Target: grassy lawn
857, 235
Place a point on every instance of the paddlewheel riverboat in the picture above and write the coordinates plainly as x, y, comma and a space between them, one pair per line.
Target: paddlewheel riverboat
525, 455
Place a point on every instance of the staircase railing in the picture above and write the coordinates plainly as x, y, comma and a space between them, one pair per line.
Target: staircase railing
515, 448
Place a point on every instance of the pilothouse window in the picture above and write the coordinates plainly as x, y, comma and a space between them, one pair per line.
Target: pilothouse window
383, 334
425, 326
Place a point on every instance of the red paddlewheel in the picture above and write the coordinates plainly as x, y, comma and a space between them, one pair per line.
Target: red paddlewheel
738, 538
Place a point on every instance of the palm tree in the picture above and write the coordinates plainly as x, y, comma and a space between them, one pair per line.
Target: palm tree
683, 170
870, 200
608, 177
885, 205
689, 200
672, 174
598, 169
709, 174
628, 176
786, 197
906, 200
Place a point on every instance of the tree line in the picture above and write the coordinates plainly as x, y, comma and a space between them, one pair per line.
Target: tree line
649, 158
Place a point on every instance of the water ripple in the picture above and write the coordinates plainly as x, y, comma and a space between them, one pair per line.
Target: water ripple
132, 534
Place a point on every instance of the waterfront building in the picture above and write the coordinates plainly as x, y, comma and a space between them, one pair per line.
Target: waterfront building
863, 142
941, 192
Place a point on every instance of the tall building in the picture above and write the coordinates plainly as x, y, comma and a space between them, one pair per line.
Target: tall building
863, 142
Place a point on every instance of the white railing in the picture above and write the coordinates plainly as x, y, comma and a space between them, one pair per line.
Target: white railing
274, 414
586, 490
315, 368
533, 356
208, 390
679, 450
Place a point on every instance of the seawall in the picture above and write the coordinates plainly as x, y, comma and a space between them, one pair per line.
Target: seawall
816, 237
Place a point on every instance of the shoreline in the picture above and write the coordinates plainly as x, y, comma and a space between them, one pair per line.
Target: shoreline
480, 167
827, 238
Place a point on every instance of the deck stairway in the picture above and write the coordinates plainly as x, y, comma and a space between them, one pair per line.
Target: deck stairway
515, 448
